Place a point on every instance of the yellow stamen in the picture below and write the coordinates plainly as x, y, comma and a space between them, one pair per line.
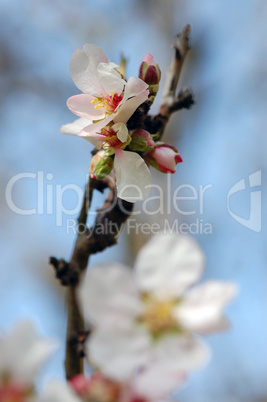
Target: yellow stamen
158, 316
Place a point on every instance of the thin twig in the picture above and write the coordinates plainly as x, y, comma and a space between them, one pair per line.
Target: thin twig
87, 199
73, 360
169, 99
181, 48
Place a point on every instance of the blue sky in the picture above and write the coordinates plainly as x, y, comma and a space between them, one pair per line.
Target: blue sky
222, 141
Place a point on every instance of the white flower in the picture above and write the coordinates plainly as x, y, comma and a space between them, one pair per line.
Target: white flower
108, 99
147, 316
107, 96
22, 354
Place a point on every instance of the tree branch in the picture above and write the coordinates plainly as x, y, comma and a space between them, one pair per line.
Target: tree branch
73, 361
114, 213
170, 102
181, 48
104, 233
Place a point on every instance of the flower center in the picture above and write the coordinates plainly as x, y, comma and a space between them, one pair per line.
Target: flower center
111, 140
158, 316
108, 102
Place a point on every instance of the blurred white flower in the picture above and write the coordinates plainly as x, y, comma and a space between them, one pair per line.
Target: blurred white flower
146, 316
22, 354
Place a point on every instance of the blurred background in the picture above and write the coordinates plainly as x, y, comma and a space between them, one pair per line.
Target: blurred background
222, 141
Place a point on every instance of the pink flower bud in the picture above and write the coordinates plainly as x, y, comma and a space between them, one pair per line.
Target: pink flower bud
164, 157
141, 141
149, 71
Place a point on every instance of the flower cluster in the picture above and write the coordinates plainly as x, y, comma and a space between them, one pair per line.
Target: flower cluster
104, 108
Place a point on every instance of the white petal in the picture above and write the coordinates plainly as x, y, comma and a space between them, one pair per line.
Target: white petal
110, 78
183, 354
109, 296
155, 382
222, 324
58, 392
134, 86
119, 354
202, 308
168, 265
82, 106
122, 131
126, 109
133, 178
83, 69
76, 127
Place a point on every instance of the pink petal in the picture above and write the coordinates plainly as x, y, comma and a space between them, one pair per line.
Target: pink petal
81, 106
134, 86
129, 107
149, 59
76, 127
166, 159
92, 132
93, 138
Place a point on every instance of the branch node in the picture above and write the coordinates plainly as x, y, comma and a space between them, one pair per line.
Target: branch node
77, 341
184, 100
67, 273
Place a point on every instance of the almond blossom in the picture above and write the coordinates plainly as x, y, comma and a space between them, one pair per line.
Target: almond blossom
149, 316
106, 97
22, 353
104, 108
